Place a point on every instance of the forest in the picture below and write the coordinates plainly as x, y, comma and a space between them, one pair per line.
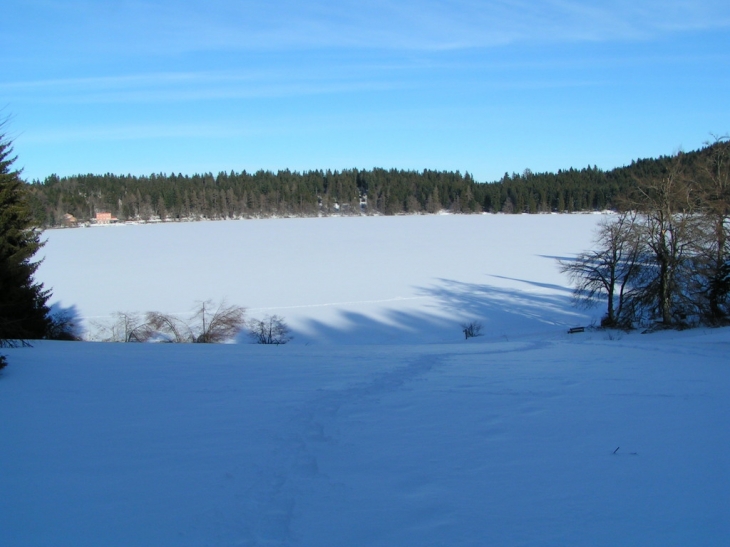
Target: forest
58, 201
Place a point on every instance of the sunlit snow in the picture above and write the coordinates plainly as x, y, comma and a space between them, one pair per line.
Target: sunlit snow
409, 279
379, 425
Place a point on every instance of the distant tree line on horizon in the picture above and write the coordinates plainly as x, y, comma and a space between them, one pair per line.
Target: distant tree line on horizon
347, 192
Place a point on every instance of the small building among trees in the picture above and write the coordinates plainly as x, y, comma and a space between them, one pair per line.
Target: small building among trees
105, 218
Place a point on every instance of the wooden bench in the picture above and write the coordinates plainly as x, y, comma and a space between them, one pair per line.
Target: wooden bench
576, 329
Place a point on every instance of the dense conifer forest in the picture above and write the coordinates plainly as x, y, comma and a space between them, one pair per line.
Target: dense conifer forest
347, 192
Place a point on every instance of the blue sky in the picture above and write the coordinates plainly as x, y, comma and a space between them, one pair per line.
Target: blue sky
487, 87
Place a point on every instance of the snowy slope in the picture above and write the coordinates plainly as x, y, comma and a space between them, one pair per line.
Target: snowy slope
505, 443
380, 426
408, 279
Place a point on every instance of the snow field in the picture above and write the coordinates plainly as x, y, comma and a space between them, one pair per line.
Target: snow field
408, 279
450, 444
379, 425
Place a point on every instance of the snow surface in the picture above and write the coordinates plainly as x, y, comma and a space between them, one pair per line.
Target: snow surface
526, 436
408, 279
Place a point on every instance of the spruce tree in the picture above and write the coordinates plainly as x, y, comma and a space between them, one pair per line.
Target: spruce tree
23, 310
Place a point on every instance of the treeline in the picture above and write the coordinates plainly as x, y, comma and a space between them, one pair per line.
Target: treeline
347, 192
246, 195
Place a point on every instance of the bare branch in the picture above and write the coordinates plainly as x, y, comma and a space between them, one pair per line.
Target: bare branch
269, 330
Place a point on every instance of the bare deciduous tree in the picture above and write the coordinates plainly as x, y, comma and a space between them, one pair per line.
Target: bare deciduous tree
669, 230
272, 329
608, 270
678, 245
713, 249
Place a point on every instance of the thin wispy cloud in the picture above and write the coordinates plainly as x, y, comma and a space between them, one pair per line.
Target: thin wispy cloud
195, 86
166, 27
128, 132
210, 86
437, 24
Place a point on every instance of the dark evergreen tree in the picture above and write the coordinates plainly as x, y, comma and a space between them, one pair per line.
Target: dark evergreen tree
23, 310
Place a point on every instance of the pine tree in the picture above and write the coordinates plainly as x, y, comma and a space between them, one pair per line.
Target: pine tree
23, 310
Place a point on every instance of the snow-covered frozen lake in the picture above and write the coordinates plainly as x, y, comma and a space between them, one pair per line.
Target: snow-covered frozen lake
407, 279
380, 426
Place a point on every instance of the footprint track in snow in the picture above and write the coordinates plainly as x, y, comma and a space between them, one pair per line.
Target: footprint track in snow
293, 467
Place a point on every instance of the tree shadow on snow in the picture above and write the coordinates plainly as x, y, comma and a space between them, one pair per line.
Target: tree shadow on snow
550, 286
560, 258
505, 313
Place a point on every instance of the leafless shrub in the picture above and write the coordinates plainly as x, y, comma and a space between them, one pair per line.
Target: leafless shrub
64, 324
210, 323
124, 327
217, 324
272, 329
167, 328
471, 329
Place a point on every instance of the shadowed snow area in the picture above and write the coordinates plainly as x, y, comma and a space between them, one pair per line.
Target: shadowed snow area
569, 441
381, 426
